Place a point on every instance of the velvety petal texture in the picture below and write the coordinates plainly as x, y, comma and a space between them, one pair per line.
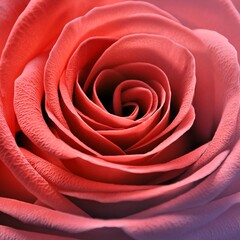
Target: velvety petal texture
120, 119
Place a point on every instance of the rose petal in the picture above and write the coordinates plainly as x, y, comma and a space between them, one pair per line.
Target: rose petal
95, 112
27, 103
13, 233
11, 188
27, 39
85, 133
30, 119
126, 137
225, 97
9, 12
23, 171
136, 52
217, 15
71, 36
201, 221
105, 17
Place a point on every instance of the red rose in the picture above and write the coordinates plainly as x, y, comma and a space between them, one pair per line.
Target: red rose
120, 119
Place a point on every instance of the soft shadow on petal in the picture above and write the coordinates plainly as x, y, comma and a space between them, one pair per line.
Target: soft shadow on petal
224, 96
11, 187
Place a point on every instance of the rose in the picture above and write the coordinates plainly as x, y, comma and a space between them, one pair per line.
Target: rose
73, 165
180, 180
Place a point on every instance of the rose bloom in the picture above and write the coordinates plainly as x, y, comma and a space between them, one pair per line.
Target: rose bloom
120, 119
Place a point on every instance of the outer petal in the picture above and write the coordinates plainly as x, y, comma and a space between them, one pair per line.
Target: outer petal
32, 181
10, 186
9, 12
224, 92
41, 219
217, 15
12, 233
28, 38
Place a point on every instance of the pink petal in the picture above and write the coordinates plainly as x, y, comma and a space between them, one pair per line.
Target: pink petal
28, 39
217, 15
9, 12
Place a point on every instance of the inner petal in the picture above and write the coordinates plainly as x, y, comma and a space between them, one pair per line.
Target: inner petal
134, 91
102, 111
164, 54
